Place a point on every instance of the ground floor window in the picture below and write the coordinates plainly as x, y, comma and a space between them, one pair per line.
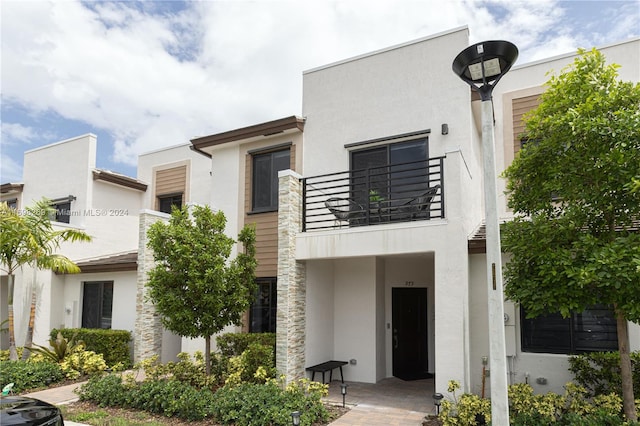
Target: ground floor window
589, 331
97, 304
263, 311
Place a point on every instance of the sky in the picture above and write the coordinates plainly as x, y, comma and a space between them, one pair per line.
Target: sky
152, 74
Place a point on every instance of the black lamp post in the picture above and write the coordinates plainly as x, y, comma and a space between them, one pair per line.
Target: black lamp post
343, 391
437, 400
295, 418
482, 66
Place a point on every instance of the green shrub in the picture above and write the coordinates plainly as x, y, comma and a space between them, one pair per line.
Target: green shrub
81, 362
233, 344
106, 391
29, 375
529, 409
269, 404
166, 397
599, 372
61, 347
112, 344
256, 357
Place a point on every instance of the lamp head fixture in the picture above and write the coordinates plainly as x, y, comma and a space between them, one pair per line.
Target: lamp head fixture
483, 64
295, 418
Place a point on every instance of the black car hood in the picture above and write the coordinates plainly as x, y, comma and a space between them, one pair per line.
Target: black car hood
18, 410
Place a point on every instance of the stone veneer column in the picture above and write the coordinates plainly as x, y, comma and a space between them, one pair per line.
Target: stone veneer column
147, 338
291, 318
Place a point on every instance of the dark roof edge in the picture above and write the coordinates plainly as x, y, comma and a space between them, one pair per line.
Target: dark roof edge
263, 129
119, 179
7, 188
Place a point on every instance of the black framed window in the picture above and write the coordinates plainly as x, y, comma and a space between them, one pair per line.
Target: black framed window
264, 308
393, 173
97, 304
593, 330
166, 202
62, 212
265, 178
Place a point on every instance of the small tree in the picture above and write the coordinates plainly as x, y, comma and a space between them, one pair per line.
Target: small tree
194, 287
30, 238
575, 239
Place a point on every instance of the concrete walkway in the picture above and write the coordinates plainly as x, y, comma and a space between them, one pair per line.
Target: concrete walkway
390, 402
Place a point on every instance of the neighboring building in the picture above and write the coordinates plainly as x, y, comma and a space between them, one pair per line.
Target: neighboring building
101, 203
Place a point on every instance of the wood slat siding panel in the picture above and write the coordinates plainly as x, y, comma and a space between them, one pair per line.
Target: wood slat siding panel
172, 180
266, 225
520, 107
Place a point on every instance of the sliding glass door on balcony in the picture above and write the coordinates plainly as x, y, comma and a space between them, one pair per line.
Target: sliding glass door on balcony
387, 177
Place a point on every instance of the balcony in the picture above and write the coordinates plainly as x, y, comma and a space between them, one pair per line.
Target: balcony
378, 195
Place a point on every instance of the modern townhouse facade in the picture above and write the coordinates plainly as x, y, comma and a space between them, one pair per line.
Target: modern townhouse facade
99, 202
369, 217
380, 219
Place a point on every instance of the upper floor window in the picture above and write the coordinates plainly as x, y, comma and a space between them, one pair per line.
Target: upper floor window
12, 203
589, 331
265, 178
166, 202
62, 211
393, 173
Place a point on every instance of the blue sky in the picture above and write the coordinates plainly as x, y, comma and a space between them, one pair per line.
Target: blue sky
146, 75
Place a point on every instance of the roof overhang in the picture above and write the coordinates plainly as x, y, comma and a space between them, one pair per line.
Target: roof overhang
11, 188
206, 144
113, 263
118, 179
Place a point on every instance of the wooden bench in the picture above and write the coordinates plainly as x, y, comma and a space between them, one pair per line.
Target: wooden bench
327, 366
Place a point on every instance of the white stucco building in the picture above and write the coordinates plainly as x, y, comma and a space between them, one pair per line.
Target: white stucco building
369, 216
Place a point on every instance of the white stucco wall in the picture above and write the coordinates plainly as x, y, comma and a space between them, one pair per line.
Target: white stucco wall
355, 318
320, 321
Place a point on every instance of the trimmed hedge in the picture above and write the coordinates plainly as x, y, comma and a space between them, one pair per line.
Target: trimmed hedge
112, 344
29, 375
234, 344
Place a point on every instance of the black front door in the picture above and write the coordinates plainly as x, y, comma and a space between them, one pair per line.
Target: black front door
409, 318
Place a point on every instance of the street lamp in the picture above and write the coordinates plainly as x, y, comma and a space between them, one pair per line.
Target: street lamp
481, 66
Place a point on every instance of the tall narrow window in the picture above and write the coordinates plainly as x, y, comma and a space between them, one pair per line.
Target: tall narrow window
97, 304
264, 308
265, 179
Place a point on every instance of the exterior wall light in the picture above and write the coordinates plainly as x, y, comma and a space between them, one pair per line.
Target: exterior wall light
343, 391
295, 418
481, 66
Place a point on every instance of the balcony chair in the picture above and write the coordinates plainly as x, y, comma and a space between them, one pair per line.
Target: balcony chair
345, 210
420, 204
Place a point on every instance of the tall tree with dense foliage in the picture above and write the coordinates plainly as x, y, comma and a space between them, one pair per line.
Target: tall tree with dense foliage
194, 286
29, 237
575, 240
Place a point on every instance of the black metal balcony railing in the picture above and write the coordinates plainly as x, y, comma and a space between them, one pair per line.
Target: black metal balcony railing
377, 195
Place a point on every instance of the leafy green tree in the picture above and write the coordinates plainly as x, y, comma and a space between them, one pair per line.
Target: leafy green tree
575, 240
29, 237
194, 287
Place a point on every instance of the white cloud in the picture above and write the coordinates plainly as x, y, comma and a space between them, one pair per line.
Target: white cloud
17, 133
153, 80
